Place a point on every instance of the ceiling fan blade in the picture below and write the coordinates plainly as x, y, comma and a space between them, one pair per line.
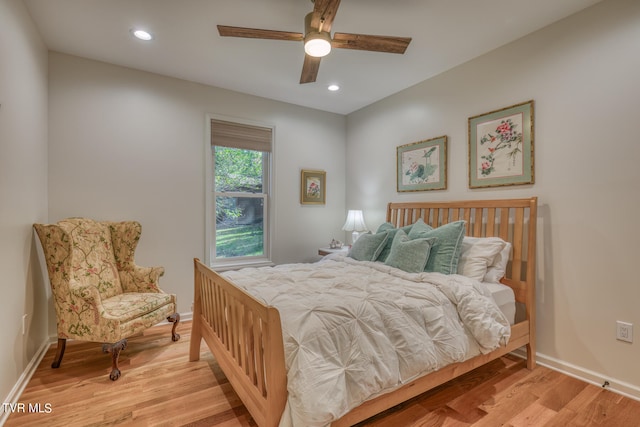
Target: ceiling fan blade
324, 10
387, 44
310, 69
254, 33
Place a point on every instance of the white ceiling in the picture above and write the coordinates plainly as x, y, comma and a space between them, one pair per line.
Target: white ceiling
445, 34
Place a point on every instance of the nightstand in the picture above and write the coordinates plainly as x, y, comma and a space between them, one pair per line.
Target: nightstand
326, 251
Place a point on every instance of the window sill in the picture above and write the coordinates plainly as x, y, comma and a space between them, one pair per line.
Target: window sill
236, 265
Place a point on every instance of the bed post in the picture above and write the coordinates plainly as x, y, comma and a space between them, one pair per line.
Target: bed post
531, 281
276, 379
196, 330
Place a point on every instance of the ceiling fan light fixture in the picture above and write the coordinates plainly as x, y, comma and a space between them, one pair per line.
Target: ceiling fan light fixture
317, 44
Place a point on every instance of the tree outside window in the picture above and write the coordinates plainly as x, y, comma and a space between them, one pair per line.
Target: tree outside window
240, 202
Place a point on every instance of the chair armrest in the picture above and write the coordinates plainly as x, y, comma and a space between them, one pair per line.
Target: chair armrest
89, 295
141, 279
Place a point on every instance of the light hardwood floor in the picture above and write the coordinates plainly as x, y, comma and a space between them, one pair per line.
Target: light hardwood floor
160, 387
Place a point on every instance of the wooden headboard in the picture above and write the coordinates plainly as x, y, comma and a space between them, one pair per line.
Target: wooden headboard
513, 220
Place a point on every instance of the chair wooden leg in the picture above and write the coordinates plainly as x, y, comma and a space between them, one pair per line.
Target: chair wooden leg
175, 319
62, 344
115, 350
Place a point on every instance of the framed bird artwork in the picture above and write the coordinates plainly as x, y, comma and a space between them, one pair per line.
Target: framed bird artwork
422, 165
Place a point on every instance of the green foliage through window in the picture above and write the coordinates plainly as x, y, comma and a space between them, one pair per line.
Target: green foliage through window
238, 170
239, 201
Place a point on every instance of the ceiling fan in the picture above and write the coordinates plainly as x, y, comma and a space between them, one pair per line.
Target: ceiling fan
317, 38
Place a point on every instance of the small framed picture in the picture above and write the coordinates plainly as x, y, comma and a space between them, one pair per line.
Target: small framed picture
422, 166
313, 187
501, 147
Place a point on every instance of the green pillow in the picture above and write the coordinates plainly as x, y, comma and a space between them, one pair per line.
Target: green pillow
409, 255
385, 226
418, 228
445, 253
368, 246
391, 231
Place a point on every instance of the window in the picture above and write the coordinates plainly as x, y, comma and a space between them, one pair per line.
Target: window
239, 214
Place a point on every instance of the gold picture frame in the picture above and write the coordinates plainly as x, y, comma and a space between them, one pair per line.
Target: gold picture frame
313, 187
422, 165
501, 147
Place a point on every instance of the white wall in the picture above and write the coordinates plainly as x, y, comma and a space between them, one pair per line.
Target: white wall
23, 190
125, 144
582, 74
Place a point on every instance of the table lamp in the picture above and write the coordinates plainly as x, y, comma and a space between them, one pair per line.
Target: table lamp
355, 224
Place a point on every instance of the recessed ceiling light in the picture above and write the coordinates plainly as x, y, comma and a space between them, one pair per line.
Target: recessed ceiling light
333, 88
142, 34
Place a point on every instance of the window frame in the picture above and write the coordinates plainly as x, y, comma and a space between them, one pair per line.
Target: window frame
210, 194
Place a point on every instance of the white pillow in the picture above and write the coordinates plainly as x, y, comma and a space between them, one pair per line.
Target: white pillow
498, 269
478, 253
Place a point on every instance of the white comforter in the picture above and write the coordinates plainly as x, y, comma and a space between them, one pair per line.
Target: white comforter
353, 330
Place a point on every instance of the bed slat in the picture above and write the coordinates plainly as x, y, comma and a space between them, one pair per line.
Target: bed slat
491, 221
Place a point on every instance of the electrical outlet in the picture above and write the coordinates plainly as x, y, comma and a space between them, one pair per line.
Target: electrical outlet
624, 331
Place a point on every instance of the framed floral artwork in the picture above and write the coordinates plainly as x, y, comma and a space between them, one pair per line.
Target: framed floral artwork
313, 187
422, 165
501, 147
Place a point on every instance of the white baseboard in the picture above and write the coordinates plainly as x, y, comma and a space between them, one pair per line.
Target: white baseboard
18, 388
615, 385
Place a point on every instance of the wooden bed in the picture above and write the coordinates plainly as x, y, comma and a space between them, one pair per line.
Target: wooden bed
245, 336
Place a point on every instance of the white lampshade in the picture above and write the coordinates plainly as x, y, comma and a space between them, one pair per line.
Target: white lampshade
355, 223
317, 44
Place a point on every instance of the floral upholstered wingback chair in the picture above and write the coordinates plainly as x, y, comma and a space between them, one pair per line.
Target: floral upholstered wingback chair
99, 293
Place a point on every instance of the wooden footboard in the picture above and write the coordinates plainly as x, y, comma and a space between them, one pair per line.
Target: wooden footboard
245, 337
